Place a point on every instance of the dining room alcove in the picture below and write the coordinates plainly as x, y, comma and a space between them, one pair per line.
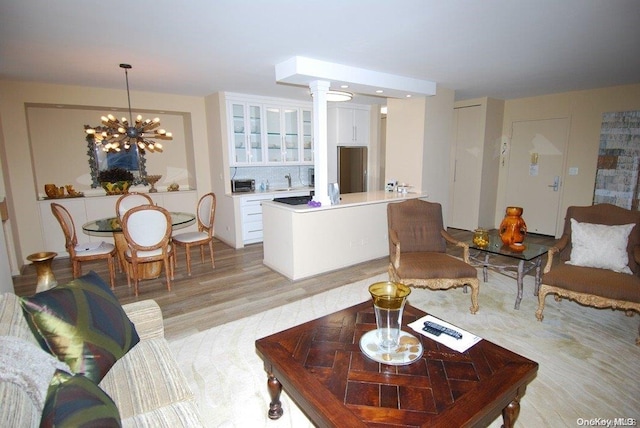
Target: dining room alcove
61, 155
57, 138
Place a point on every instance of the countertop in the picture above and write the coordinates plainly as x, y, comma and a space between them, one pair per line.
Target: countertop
352, 199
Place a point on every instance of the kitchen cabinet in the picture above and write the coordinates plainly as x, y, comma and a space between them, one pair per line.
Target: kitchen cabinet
346, 126
245, 128
307, 136
268, 131
349, 126
475, 163
251, 213
283, 134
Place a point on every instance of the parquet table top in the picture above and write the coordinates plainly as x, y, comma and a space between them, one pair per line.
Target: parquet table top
321, 366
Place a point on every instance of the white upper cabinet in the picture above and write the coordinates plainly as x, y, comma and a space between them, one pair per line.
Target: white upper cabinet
307, 136
245, 130
268, 132
349, 126
283, 134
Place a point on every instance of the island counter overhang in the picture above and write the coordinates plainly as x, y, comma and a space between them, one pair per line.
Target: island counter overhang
301, 241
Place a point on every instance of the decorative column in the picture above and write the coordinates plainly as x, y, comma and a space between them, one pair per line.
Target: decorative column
319, 90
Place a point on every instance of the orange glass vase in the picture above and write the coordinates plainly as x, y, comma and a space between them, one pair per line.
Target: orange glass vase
513, 228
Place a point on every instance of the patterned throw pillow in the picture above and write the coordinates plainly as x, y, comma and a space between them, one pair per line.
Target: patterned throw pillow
75, 401
83, 324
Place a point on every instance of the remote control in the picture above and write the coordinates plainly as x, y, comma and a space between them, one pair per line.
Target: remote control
432, 327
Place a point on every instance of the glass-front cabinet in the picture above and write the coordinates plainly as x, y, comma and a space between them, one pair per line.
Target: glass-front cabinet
269, 132
246, 130
283, 134
307, 136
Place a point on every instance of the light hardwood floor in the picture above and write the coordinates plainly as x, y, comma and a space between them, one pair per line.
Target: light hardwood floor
239, 286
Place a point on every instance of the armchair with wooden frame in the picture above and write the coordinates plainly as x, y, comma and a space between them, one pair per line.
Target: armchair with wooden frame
595, 286
417, 249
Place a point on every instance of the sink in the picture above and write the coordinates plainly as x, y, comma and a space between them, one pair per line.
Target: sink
294, 200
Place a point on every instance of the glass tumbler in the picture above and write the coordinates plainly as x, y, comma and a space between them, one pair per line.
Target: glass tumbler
388, 302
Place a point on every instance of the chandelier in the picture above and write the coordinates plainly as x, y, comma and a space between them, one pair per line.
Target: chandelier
115, 135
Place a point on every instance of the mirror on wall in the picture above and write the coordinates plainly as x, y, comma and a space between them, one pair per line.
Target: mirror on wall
132, 160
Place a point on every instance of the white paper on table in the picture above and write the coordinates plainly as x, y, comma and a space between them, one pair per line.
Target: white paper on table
460, 345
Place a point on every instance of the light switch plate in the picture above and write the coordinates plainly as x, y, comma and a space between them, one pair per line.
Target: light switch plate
573, 170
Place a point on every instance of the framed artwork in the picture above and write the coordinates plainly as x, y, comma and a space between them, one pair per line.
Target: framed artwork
618, 173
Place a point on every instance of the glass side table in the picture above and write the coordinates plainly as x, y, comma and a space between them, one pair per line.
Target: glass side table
527, 259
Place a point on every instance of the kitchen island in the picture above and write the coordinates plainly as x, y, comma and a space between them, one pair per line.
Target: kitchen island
301, 241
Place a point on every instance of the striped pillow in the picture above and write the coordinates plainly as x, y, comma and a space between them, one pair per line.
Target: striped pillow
75, 401
83, 324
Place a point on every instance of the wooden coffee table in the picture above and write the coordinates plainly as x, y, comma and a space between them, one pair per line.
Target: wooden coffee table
320, 365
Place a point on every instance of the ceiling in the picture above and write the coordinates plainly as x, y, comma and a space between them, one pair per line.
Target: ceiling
498, 48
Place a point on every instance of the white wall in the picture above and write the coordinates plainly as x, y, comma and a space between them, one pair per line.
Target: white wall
418, 142
585, 109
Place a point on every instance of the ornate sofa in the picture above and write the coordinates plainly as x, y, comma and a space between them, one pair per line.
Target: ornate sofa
145, 383
591, 264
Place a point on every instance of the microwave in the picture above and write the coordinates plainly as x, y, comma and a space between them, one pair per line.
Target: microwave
243, 185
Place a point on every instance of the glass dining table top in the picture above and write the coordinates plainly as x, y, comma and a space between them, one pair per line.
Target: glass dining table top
110, 225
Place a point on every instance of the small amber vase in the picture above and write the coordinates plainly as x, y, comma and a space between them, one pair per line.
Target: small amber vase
513, 228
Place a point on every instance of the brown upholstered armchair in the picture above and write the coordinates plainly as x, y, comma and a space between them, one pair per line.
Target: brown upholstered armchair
417, 249
594, 286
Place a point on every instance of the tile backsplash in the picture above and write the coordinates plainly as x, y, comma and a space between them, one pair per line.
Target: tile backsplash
275, 175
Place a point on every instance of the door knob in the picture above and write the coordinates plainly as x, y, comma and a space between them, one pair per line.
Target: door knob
556, 183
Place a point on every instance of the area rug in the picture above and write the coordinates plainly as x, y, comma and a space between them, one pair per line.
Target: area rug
589, 363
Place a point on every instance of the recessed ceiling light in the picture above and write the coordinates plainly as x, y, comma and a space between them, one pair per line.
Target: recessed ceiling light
379, 91
344, 86
408, 95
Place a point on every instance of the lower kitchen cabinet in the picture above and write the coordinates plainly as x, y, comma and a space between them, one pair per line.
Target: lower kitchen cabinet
251, 213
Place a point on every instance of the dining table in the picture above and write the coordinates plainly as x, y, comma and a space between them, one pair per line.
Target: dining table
110, 226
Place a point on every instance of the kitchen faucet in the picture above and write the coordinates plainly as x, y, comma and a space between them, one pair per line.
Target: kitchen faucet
288, 177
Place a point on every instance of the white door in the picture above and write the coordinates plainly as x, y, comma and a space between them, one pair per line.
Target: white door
467, 168
534, 180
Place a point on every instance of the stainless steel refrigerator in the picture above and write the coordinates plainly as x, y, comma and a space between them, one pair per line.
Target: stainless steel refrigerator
352, 169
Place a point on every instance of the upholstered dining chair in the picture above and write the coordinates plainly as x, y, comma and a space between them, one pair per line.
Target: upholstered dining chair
204, 236
417, 249
147, 231
130, 200
83, 252
596, 261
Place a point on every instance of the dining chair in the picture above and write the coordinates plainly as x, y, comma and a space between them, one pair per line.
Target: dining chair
130, 200
147, 231
83, 252
204, 236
